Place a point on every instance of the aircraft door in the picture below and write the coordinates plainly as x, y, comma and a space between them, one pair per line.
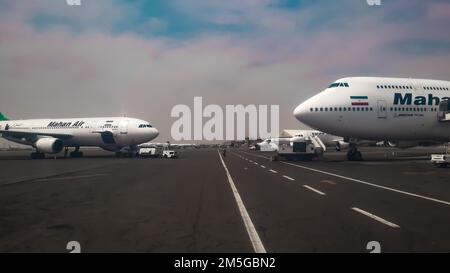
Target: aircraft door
444, 110
95, 127
124, 127
382, 109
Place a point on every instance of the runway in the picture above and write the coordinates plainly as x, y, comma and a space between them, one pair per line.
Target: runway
204, 202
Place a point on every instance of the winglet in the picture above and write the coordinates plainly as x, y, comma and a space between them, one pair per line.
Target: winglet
3, 117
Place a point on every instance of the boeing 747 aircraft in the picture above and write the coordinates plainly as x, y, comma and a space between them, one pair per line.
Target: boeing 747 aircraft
405, 112
51, 136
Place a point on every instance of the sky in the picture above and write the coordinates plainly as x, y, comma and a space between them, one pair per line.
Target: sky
141, 58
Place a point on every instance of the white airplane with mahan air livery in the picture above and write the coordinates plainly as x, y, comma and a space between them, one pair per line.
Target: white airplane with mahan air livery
50, 136
404, 112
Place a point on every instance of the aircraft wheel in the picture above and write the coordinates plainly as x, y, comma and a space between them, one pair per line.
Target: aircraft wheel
354, 155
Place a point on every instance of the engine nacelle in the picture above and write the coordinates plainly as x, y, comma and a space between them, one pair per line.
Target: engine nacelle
49, 145
403, 144
342, 145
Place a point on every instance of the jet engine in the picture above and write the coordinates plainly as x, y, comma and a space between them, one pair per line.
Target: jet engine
49, 145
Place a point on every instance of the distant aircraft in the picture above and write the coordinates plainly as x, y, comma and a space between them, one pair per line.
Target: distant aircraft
51, 136
405, 112
272, 144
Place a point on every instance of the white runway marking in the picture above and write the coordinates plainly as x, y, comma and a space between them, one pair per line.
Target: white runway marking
371, 184
255, 163
288, 178
252, 233
379, 219
67, 177
314, 190
262, 166
273, 171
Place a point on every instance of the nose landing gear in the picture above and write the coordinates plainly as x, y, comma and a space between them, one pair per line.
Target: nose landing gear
353, 154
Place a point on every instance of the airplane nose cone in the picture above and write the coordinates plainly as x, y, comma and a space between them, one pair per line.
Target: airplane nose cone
301, 112
155, 133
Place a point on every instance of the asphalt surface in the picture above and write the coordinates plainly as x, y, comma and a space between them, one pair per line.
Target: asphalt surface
396, 198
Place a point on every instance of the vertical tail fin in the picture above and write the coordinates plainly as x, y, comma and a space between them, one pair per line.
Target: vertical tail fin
3, 117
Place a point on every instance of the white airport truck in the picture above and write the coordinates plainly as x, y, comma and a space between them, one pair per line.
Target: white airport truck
298, 148
157, 152
150, 152
169, 154
441, 160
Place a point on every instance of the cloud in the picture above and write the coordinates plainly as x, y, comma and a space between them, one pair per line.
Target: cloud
440, 12
107, 59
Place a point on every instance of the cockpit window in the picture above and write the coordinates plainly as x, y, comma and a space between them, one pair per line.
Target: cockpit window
145, 126
339, 84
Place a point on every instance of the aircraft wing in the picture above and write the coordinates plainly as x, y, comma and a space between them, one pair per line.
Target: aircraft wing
31, 136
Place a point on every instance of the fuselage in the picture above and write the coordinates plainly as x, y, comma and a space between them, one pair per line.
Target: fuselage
379, 109
110, 133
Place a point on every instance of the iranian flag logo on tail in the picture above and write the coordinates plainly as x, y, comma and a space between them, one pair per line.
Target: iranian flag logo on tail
359, 100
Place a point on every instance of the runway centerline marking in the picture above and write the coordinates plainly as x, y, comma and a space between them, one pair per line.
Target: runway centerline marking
288, 178
376, 218
249, 226
370, 184
273, 171
314, 190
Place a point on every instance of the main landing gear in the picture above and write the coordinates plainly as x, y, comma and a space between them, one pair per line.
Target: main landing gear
353, 154
131, 151
76, 153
